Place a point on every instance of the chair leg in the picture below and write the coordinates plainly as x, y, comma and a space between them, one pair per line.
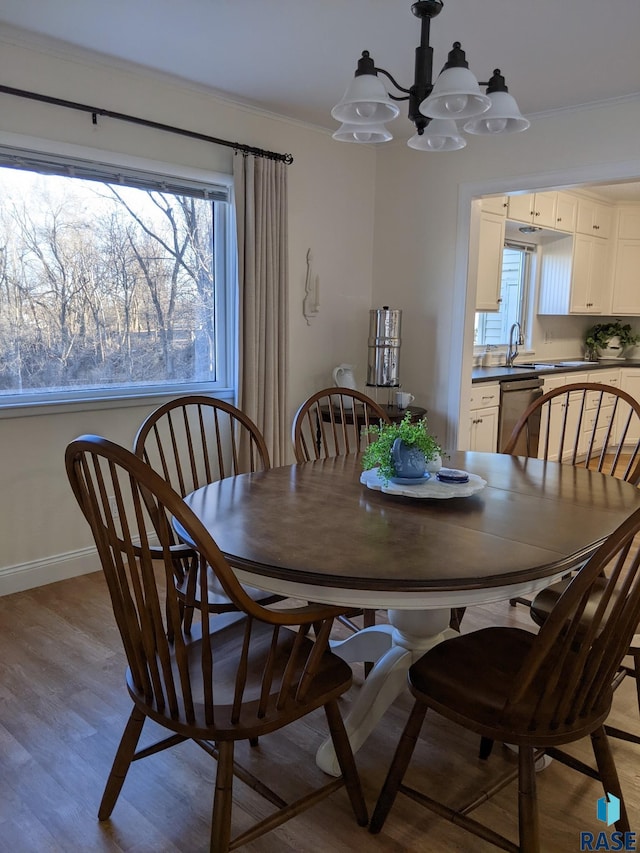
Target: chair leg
486, 745
368, 621
368, 618
608, 773
398, 767
636, 675
222, 799
121, 763
344, 754
456, 618
529, 830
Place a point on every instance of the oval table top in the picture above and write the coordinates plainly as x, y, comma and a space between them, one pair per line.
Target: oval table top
315, 524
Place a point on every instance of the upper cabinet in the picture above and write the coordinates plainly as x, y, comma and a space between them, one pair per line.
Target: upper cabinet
594, 218
533, 209
495, 204
590, 253
626, 292
575, 276
551, 209
566, 212
486, 261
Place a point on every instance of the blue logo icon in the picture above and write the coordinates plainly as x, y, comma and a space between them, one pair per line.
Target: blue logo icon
608, 809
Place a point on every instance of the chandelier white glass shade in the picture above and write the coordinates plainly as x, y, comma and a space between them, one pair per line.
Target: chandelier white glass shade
441, 134
434, 108
362, 133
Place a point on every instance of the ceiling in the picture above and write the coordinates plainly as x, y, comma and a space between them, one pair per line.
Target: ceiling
296, 57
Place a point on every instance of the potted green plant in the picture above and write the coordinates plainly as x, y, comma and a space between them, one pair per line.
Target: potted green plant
613, 337
413, 434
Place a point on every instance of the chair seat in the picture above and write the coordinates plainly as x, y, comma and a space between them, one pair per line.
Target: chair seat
227, 635
469, 678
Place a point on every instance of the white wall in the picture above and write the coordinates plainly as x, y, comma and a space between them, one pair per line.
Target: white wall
422, 231
331, 191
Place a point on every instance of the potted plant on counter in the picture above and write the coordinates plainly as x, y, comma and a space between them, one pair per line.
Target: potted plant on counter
609, 340
406, 449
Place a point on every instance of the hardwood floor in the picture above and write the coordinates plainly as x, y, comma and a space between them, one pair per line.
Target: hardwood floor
63, 705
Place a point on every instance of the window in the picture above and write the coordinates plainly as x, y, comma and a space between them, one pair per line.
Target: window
113, 282
492, 327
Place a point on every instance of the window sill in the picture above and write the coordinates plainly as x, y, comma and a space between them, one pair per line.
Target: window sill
120, 400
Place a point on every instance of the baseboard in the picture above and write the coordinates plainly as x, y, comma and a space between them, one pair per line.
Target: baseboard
51, 569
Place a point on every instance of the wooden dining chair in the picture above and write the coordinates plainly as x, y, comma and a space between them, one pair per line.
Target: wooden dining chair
592, 425
236, 677
536, 691
334, 422
192, 441
587, 424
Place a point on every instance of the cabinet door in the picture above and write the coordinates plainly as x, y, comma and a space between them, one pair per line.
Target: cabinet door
593, 218
599, 278
544, 210
483, 430
626, 292
566, 212
521, 208
629, 223
581, 275
557, 428
489, 270
631, 384
590, 292
495, 204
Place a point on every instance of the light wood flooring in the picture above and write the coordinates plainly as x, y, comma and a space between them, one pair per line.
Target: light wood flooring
63, 705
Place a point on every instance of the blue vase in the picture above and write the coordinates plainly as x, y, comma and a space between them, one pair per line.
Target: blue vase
408, 461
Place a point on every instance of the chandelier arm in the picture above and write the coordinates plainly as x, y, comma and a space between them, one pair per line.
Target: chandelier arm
395, 83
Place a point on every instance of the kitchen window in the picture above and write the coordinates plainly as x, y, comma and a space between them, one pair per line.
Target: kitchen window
492, 327
113, 282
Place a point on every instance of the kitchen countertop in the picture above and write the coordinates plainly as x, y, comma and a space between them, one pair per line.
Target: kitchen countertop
500, 374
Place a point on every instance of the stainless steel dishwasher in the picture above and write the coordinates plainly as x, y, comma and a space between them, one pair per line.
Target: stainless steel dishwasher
515, 396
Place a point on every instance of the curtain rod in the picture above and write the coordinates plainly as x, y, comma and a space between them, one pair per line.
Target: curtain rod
97, 111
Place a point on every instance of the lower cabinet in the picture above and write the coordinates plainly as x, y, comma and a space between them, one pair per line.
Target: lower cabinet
630, 382
551, 430
484, 416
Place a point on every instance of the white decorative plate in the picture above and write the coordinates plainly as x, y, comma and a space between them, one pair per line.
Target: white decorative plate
431, 488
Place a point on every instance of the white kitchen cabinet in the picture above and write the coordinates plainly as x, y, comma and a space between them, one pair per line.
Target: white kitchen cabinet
534, 209
590, 290
556, 422
603, 411
629, 223
625, 298
575, 276
488, 268
484, 415
566, 212
594, 218
495, 204
630, 382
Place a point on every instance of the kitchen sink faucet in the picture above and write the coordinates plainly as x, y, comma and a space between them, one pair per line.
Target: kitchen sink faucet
514, 343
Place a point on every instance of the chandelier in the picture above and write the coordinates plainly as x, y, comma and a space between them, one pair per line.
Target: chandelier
438, 110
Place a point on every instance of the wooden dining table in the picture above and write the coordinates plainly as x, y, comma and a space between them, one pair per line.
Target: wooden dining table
314, 531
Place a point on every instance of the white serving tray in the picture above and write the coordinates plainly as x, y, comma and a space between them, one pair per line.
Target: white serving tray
431, 488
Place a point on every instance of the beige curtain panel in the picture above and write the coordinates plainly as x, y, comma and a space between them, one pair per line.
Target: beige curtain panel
260, 187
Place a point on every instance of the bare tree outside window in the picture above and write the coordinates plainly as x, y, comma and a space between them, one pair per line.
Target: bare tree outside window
103, 286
